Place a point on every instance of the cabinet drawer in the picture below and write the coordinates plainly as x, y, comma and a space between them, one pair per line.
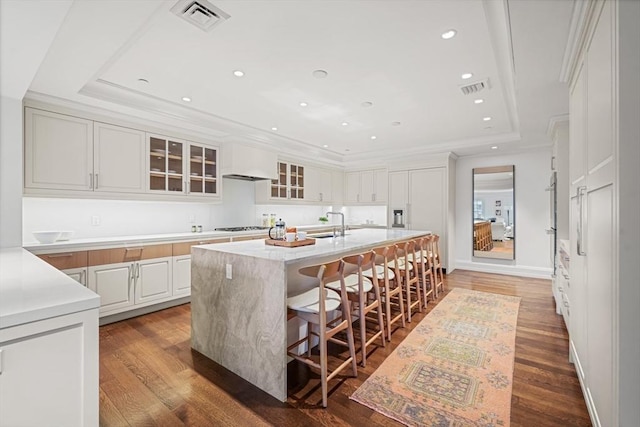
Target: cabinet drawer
134, 253
184, 248
65, 260
243, 238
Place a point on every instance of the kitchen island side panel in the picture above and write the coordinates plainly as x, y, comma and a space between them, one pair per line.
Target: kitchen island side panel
240, 323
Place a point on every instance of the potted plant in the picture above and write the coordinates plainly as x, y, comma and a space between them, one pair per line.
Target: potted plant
323, 219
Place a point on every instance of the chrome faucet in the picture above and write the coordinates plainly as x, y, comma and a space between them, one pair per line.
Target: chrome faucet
342, 222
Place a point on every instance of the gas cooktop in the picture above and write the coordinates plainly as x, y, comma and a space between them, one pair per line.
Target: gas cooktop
248, 228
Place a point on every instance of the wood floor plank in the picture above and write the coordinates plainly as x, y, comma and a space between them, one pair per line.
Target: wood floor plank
149, 375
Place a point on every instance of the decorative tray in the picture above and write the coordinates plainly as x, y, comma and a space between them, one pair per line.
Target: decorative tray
295, 244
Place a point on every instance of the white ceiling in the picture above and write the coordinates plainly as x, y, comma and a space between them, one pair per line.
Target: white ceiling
389, 53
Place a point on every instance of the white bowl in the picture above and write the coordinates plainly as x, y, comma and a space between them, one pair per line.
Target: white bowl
65, 235
46, 236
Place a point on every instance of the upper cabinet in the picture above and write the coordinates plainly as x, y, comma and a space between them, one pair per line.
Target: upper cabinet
58, 151
319, 185
366, 187
71, 156
290, 182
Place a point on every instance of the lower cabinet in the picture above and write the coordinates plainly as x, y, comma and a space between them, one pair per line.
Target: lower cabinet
49, 372
126, 284
77, 274
182, 275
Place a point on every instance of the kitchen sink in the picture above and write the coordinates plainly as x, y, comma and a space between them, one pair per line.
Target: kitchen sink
324, 236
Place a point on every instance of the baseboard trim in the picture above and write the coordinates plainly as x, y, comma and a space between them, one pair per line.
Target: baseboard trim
593, 414
523, 271
112, 318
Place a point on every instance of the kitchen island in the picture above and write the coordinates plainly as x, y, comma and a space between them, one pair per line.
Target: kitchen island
238, 299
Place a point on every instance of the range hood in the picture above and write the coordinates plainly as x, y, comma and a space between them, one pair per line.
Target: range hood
248, 163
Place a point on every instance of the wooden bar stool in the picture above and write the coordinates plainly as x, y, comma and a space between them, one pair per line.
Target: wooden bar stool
359, 292
423, 245
409, 273
437, 265
313, 306
390, 285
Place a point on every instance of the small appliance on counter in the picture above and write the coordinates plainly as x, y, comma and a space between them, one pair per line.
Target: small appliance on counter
398, 218
279, 230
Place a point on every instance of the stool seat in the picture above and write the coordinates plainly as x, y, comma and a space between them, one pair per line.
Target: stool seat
380, 272
402, 264
351, 283
309, 302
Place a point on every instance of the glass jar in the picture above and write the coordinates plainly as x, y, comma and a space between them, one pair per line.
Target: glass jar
265, 220
272, 220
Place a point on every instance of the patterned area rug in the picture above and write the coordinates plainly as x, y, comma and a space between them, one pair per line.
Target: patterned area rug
454, 369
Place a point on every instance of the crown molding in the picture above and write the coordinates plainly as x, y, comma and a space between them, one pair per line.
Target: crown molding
582, 17
555, 123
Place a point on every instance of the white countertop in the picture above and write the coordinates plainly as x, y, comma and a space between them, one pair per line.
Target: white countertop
354, 240
32, 290
109, 242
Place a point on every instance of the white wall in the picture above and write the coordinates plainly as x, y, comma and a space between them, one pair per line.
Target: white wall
126, 217
532, 171
10, 172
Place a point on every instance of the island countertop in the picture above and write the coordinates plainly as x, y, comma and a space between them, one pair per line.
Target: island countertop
354, 240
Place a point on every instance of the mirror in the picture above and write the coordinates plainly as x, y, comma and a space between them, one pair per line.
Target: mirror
494, 212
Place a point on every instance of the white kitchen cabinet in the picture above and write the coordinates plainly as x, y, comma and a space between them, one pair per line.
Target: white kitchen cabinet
182, 275
152, 279
119, 159
318, 185
593, 234
290, 184
367, 187
77, 274
114, 284
427, 205
124, 285
49, 372
203, 170
58, 151
398, 192
167, 168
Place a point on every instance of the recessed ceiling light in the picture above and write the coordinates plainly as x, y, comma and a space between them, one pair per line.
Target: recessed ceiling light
478, 101
449, 34
367, 104
325, 146
320, 74
346, 149
303, 104
238, 73
186, 99
345, 124
143, 80
466, 76
486, 119
395, 123
495, 147
373, 137
274, 128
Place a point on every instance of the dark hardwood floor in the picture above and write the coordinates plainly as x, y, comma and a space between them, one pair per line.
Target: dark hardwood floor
150, 376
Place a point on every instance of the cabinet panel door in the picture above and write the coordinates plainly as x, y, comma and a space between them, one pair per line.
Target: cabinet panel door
42, 381
77, 274
113, 282
182, 275
313, 184
58, 151
381, 185
427, 204
577, 133
367, 187
153, 279
119, 159
577, 293
352, 187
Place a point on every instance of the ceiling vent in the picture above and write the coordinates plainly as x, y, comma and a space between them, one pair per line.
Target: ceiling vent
200, 13
475, 87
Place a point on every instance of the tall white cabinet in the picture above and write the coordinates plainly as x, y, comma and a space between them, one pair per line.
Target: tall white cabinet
603, 334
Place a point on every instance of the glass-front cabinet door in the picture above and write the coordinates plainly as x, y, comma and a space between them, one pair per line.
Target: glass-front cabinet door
203, 172
166, 164
290, 182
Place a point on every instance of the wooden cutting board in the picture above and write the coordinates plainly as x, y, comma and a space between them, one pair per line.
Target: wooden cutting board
295, 244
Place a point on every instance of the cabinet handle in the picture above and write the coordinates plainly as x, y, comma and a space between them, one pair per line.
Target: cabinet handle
373, 197
141, 248
137, 271
130, 279
320, 196
1, 350
83, 277
60, 255
96, 181
581, 191
90, 181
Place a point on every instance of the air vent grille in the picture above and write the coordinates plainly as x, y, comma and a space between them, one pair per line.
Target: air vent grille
475, 87
200, 13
